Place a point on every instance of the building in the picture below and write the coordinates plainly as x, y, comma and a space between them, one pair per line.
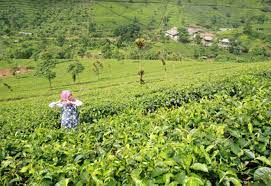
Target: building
207, 38
173, 33
224, 43
193, 31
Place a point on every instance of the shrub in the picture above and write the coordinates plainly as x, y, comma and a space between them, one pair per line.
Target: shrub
183, 35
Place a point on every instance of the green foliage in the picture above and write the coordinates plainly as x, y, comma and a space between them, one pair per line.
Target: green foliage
128, 32
141, 75
266, 9
92, 27
97, 67
45, 69
268, 41
247, 29
11, 20
215, 132
263, 174
198, 52
235, 47
75, 69
24, 50
261, 19
60, 39
259, 51
198, 39
107, 50
183, 35
201, 139
55, 25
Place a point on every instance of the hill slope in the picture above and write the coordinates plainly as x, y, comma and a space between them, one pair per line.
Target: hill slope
93, 25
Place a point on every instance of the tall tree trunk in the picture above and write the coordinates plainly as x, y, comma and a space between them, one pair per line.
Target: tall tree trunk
74, 78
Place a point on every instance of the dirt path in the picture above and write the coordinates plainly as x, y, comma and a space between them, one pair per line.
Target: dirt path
10, 72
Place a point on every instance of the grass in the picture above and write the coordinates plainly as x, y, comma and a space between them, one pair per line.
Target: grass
118, 76
108, 15
32, 138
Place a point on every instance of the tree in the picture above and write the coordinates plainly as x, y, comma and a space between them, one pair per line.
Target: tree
8, 86
92, 27
107, 50
163, 61
261, 19
81, 52
228, 14
141, 75
266, 9
198, 39
97, 67
179, 2
14, 68
60, 39
259, 51
75, 69
45, 68
140, 43
198, 52
165, 20
235, 47
247, 29
215, 49
128, 32
214, 20
183, 35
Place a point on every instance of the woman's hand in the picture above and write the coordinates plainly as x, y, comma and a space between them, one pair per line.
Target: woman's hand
69, 102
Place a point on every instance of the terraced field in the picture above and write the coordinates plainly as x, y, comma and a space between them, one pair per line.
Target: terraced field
197, 124
109, 14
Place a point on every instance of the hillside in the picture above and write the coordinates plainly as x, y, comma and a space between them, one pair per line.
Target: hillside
88, 26
109, 14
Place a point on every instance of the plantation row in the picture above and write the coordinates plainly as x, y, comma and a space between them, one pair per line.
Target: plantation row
170, 98
213, 134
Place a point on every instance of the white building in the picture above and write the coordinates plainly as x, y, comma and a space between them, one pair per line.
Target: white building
173, 33
224, 43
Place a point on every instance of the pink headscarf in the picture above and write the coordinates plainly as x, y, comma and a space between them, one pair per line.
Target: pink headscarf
66, 95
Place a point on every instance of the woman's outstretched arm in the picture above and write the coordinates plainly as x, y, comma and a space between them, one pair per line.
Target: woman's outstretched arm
77, 103
56, 104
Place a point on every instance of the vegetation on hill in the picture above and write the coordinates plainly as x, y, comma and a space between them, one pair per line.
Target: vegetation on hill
84, 28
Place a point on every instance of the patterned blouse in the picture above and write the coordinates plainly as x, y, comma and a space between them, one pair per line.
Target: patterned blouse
69, 113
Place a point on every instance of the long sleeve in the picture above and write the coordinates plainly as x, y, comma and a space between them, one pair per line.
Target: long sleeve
56, 104
77, 103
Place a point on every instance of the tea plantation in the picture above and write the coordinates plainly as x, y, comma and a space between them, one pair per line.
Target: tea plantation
198, 123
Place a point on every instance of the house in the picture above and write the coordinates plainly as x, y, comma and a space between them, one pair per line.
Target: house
173, 33
193, 31
224, 43
207, 38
